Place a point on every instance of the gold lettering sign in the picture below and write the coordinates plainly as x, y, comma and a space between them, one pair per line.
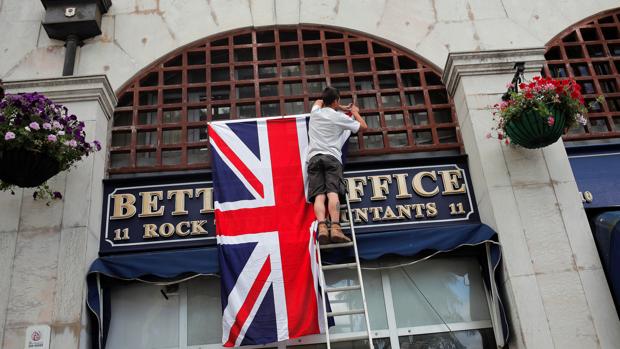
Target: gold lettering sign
149, 204
380, 186
207, 199
123, 206
179, 200
416, 183
356, 188
451, 183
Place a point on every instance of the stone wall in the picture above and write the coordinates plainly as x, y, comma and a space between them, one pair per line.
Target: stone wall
137, 32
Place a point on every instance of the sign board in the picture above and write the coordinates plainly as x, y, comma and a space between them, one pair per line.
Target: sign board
177, 211
596, 174
38, 337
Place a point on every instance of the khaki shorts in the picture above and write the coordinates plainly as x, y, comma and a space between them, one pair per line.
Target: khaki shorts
325, 176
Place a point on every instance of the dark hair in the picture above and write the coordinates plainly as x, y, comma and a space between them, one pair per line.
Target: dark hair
329, 95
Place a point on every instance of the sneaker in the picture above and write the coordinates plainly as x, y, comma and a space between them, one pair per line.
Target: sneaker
323, 233
336, 234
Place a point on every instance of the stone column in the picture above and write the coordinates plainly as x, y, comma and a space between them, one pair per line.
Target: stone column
553, 282
45, 250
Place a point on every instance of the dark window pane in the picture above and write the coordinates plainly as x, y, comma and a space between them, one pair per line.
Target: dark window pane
341, 84
196, 76
220, 93
294, 107
367, 102
308, 35
411, 80
353, 143
446, 135
152, 79
390, 101
580, 69
419, 118
363, 83
242, 39
335, 49
589, 34
220, 112
414, 98
197, 94
196, 135
291, 70
438, 96
243, 54
557, 71
598, 125
432, 79
608, 86
596, 51
245, 91
174, 62
602, 68
246, 111
333, 35
147, 138
397, 140
196, 58
313, 50
378, 48
266, 53
267, 71
406, 63
173, 77
361, 65
172, 96
394, 120
288, 35
265, 37
314, 68
442, 115
338, 67
372, 120
244, 73
270, 109
148, 97
146, 158
423, 137
553, 53
293, 88
574, 51
469, 339
289, 52
220, 42
316, 86
126, 100
171, 157
572, 37
196, 115
387, 81
614, 49
358, 47
610, 33
268, 90
171, 116
220, 74
121, 139
587, 87
197, 155
147, 117
123, 118
384, 63
118, 160
373, 141
219, 56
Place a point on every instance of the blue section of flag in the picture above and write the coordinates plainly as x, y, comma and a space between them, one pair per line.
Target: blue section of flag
233, 259
229, 186
263, 329
248, 134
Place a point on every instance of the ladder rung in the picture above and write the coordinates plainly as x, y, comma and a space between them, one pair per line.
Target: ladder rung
339, 266
338, 245
347, 338
346, 312
343, 206
344, 224
343, 288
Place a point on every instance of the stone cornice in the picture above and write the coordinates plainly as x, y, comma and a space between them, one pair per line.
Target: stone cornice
493, 62
70, 89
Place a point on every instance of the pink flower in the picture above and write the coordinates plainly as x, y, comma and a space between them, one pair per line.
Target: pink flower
488, 135
61, 133
56, 124
34, 126
51, 138
47, 126
551, 120
72, 143
9, 135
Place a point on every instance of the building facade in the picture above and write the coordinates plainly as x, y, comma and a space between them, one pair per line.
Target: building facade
424, 73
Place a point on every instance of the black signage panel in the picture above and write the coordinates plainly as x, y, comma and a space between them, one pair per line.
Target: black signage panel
178, 211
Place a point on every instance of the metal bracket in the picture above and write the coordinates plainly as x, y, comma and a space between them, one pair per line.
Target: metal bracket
516, 80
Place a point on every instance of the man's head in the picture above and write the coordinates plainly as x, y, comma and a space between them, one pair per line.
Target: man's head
330, 97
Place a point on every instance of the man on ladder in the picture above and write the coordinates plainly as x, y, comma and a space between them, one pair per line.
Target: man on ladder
328, 122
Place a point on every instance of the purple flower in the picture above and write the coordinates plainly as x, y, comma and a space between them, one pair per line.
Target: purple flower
57, 195
47, 126
72, 143
9, 135
97, 145
51, 138
56, 125
34, 126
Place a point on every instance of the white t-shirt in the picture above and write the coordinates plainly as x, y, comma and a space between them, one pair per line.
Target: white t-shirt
327, 128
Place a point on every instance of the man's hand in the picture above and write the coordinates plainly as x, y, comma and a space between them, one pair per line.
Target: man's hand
319, 103
354, 109
345, 108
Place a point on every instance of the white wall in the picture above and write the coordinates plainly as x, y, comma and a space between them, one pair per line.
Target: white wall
137, 32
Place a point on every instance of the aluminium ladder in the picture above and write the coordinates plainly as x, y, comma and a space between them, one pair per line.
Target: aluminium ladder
360, 286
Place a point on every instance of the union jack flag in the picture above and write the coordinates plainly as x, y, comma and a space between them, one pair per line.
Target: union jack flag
265, 231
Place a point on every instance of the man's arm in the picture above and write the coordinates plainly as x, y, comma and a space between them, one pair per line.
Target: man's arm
318, 103
356, 114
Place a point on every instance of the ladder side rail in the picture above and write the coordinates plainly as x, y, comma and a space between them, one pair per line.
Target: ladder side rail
323, 295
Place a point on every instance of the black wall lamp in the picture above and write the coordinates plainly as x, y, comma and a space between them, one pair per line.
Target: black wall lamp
516, 80
73, 21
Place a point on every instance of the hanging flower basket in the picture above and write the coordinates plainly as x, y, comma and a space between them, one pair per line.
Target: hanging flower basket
38, 139
25, 168
536, 113
533, 130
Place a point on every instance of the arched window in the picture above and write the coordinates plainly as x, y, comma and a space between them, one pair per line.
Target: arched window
589, 52
159, 123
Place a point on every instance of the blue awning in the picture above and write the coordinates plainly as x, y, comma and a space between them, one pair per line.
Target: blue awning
176, 265
607, 236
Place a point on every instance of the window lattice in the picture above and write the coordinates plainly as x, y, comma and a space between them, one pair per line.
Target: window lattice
159, 123
589, 52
